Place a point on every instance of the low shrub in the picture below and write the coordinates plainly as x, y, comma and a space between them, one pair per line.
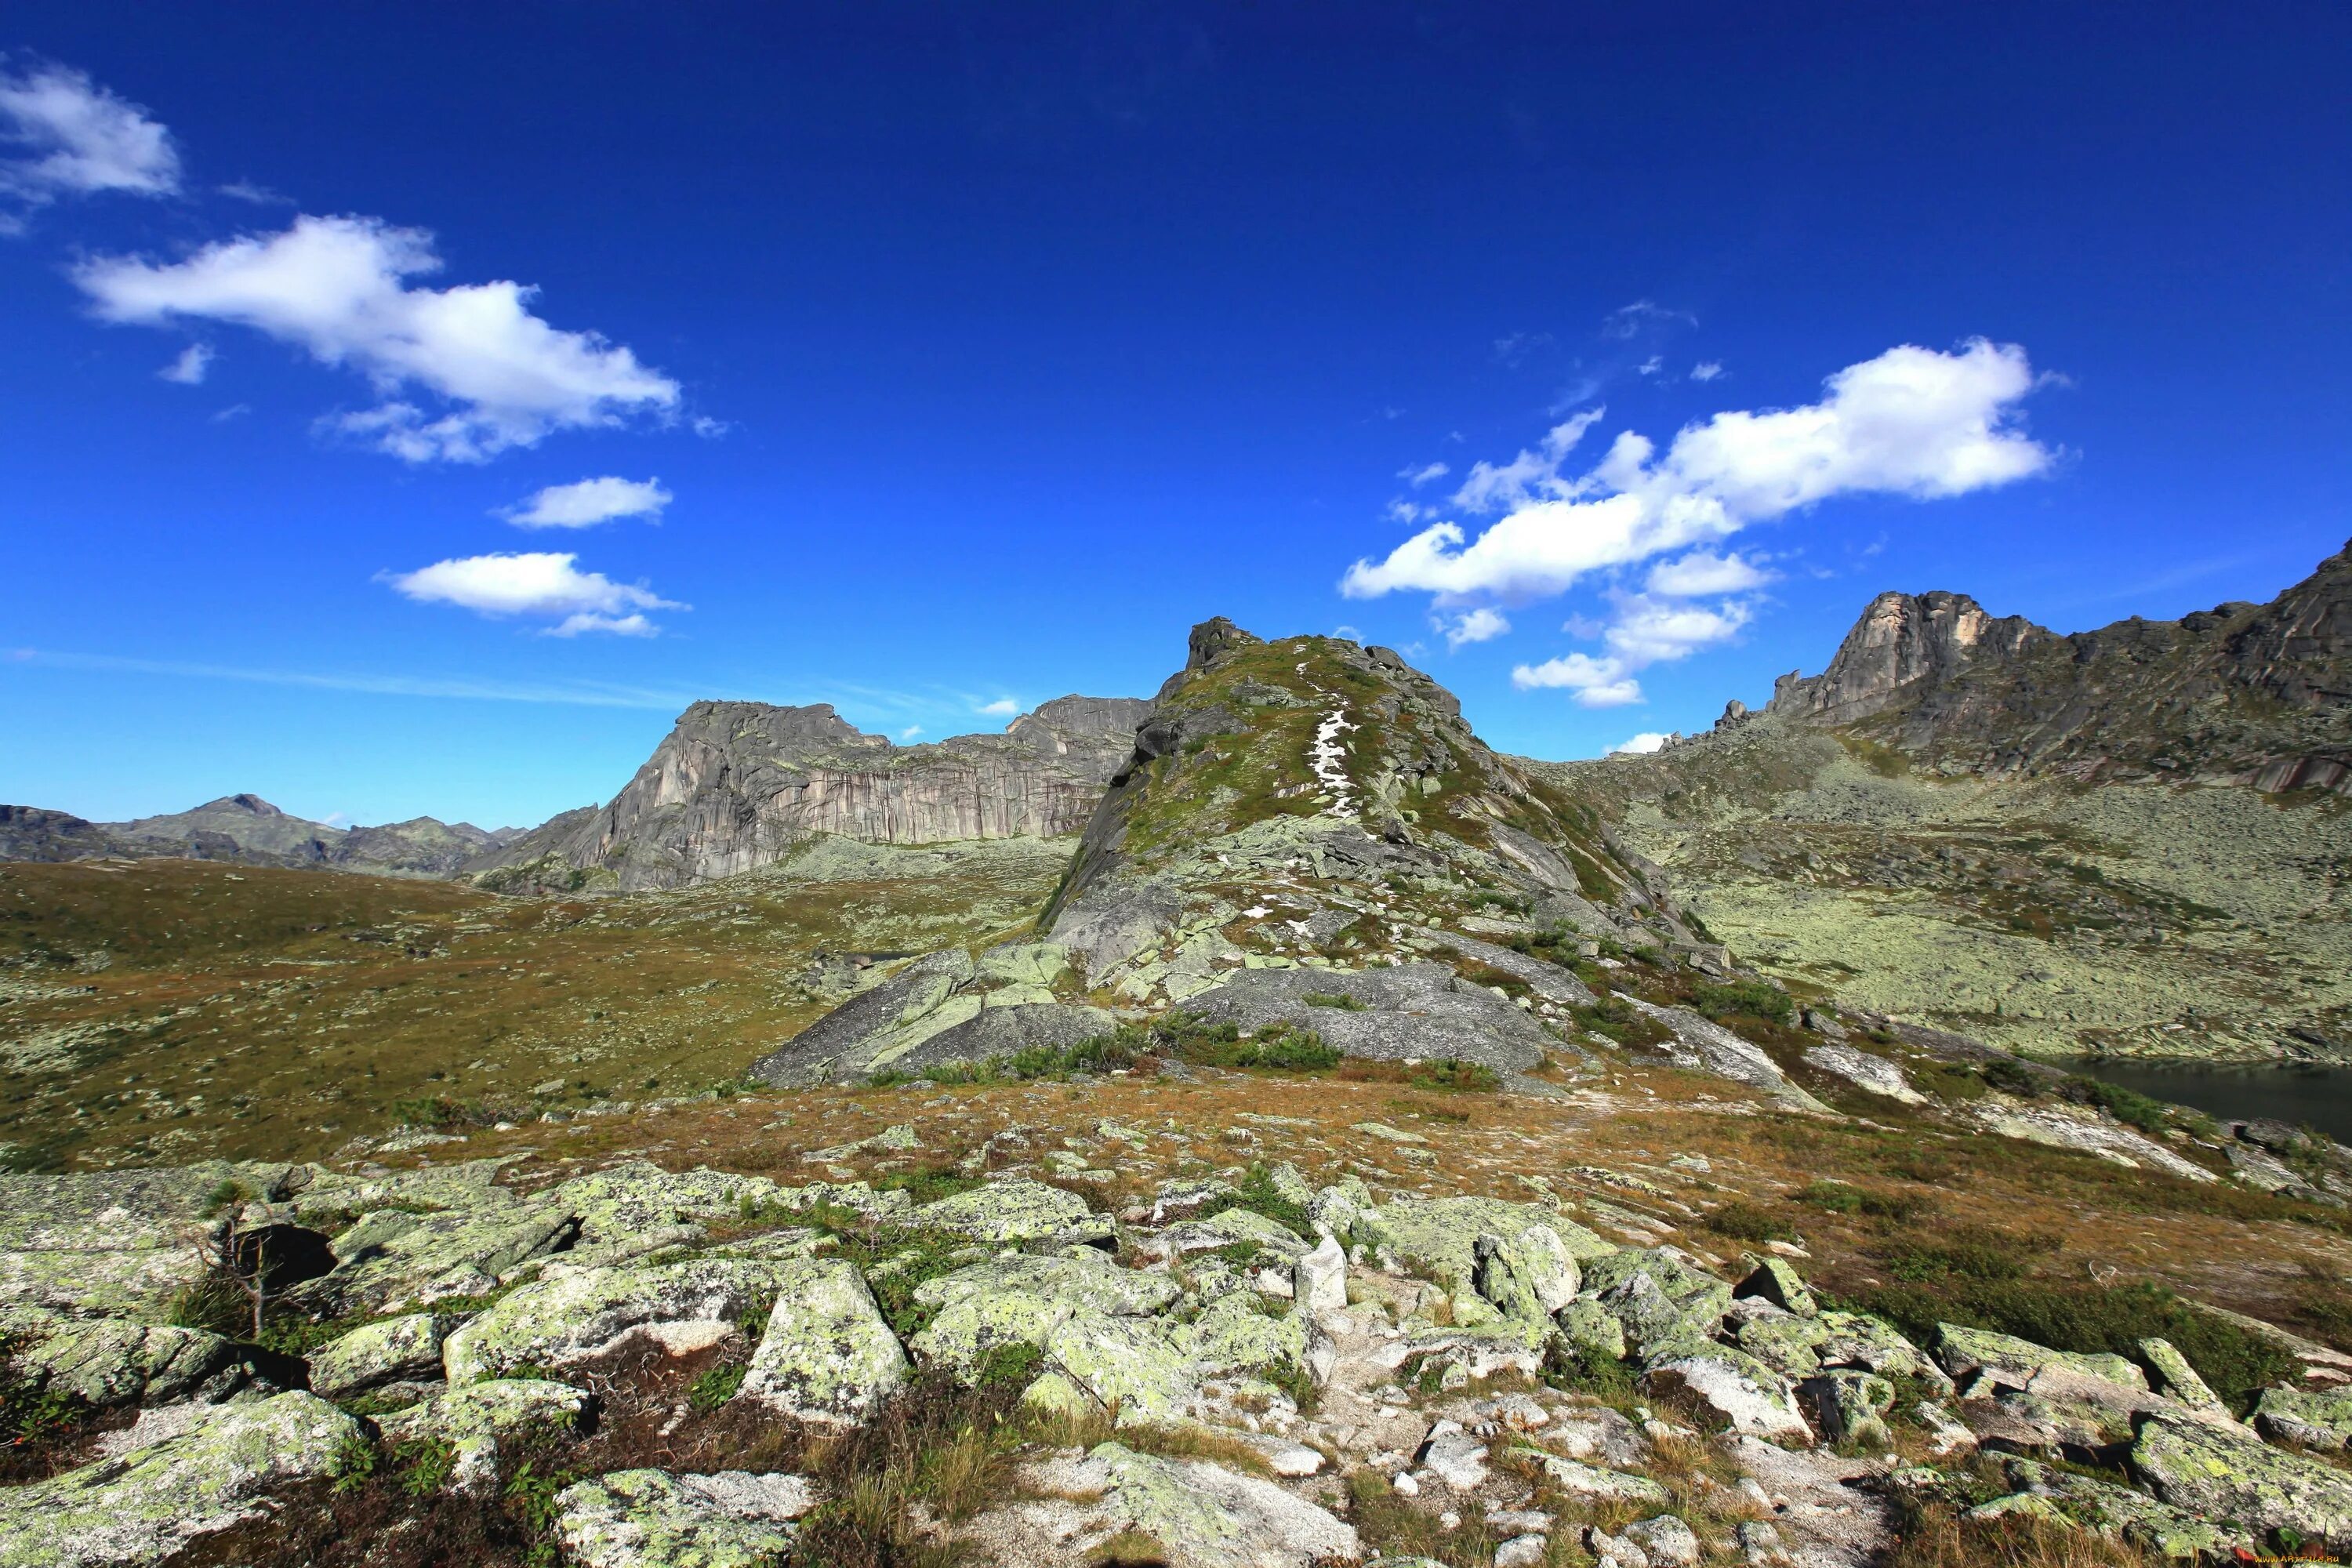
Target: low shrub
1754, 999
1750, 1222
1326, 999
2237, 1362
1844, 1197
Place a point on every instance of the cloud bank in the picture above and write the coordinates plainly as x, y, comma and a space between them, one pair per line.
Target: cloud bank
339, 288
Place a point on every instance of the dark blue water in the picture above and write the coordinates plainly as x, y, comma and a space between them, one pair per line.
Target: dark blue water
2314, 1097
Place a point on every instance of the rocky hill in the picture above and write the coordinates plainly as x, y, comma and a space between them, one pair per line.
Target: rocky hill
2125, 840
736, 785
245, 829
2259, 694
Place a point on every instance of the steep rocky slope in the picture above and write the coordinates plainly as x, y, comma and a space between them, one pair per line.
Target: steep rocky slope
2254, 693
737, 785
2124, 840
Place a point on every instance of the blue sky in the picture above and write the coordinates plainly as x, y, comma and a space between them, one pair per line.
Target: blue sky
923, 363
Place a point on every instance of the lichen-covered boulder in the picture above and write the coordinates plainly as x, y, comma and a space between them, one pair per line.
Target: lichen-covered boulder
652, 1518
1194, 1514
827, 1357
1022, 1300
1851, 1407
2178, 1381
1236, 1334
148, 1504
1439, 1236
103, 1241
1318, 1279
1876, 1075
1528, 1276
1590, 1332
1014, 1211
1749, 1396
2106, 1508
107, 1362
576, 1317
391, 1350
2209, 1471
1773, 1281
1226, 1228
1797, 1347
1127, 1365
392, 1258
482, 1419
2315, 1418
1575, 1476
636, 1207
1989, 1359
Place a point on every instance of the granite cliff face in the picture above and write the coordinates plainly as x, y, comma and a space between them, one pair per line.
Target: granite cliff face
737, 785
2258, 694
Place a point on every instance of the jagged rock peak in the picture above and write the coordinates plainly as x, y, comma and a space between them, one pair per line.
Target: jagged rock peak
1900, 640
2253, 693
737, 785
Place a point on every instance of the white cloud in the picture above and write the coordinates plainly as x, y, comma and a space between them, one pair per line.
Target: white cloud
1597, 683
1651, 365
1491, 486
1481, 625
188, 370
1631, 321
78, 137
337, 288
1912, 422
1002, 707
1643, 631
234, 411
536, 584
910, 732
1706, 370
1702, 572
1423, 475
1642, 744
586, 502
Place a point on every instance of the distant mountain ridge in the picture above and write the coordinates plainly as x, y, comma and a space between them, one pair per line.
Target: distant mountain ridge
734, 786
2258, 694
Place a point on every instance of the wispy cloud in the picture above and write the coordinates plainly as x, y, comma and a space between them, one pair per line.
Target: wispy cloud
1002, 707
79, 139
1706, 370
583, 695
339, 289
1642, 744
1481, 625
189, 369
587, 502
1426, 473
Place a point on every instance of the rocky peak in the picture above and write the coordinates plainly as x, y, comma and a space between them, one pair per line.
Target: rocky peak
1902, 640
2246, 693
737, 785
1335, 771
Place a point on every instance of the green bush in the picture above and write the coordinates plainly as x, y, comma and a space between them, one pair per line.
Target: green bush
1327, 999
1278, 1048
2237, 1362
1455, 1076
1750, 1222
1842, 1197
1752, 997
1257, 1192
716, 1387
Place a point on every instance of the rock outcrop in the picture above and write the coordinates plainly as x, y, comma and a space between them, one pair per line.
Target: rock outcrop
2253, 693
737, 785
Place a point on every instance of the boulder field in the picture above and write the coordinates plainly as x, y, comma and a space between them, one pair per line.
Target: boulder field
1247, 1371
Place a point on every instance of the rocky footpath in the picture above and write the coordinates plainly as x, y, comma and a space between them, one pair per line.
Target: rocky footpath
1240, 1370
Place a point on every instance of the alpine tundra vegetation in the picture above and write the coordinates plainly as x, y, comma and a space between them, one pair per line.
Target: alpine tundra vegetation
1346, 1146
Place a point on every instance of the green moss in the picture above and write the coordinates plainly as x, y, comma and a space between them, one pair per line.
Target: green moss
1258, 1193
